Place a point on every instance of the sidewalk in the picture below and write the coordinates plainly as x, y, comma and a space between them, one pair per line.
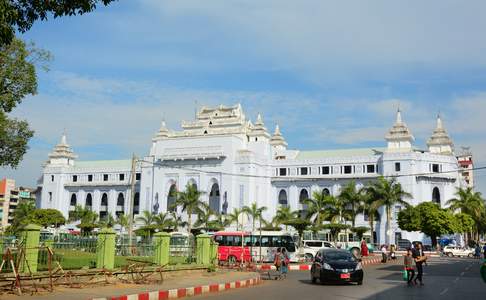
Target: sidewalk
170, 288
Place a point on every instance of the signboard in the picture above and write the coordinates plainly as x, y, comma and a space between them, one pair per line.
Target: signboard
24, 194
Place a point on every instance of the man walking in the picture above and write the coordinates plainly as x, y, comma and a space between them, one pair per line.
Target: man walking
420, 258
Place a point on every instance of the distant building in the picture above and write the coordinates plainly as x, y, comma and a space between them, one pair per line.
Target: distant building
236, 162
464, 157
10, 198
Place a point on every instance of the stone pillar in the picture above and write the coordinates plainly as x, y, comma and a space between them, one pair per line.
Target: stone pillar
214, 253
203, 249
29, 237
161, 241
105, 249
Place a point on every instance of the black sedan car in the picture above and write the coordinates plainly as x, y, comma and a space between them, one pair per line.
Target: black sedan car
335, 266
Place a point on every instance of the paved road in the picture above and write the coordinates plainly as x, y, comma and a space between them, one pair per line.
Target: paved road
444, 278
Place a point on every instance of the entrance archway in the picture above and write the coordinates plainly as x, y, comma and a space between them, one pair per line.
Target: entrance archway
214, 198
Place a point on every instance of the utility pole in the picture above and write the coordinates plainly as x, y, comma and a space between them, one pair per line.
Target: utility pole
133, 178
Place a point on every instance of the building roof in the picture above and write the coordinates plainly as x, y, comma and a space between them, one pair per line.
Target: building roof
303, 155
120, 163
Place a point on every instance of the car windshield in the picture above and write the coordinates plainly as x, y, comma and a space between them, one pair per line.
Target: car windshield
338, 255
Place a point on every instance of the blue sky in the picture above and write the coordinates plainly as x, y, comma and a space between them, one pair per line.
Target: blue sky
332, 74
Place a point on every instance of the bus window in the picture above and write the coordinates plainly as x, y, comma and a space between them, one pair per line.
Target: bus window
247, 241
288, 243
236, 240
219, 239
266, 241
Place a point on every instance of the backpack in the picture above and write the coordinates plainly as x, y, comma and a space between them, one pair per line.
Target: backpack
278, 261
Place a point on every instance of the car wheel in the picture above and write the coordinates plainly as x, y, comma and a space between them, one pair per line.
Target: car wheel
450, 254
308, 257
470, 255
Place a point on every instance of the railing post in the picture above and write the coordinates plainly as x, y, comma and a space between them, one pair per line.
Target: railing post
30, 236
161, 242
105, 249
203, 251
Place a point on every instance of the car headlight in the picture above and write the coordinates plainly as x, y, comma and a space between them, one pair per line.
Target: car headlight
327, 267
358, 267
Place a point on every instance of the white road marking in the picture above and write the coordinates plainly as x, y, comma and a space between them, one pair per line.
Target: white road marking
444, 291
456, 280
462, 273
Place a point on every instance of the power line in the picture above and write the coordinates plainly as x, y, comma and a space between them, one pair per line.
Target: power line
300, 178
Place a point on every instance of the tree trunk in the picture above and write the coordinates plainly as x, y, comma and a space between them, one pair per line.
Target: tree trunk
433, 238
388, 224
189, 216
371, 222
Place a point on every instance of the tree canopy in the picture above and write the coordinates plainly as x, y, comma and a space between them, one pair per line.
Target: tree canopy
20, 15
47, 217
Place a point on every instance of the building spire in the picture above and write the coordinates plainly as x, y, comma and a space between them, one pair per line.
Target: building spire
162, 133
399, 137
277, 139
62, 152
440, 142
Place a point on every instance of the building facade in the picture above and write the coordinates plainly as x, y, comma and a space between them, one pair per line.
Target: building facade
10, 197
236, 162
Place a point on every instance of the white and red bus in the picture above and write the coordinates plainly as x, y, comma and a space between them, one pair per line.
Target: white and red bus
237, 245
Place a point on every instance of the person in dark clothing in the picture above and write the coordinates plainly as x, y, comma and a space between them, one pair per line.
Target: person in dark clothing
420, 258
408, 265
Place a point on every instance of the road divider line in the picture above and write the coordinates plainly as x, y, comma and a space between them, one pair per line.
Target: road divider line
444, 291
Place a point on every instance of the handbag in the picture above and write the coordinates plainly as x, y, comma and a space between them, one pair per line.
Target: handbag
405, 275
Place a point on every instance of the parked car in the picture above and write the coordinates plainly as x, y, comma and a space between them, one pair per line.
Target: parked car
311, 247
424, 247
452, 251
336, 265
403, 244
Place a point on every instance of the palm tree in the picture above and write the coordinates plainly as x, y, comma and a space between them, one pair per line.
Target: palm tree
470, 203
123, 221
254, 212
108, 221
164, 221
147, 219
234, 217
370, 208
353, 200
284, 214
204, 216
177, 219
388, 193
190, 202
335, 211
317, 207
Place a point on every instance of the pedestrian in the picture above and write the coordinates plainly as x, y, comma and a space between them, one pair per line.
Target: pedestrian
484, 251
477, 251
364, 248
277, 260
408, 265
285, 261
384, 253
420, 259
392, 252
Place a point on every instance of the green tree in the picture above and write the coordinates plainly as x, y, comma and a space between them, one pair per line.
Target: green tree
21, 214
205, 218
318, 207
20, 15
370, 209
108, 221
465, 223
353, 200
428, 218
164, 222
335, 210
284, 214
190, 202
47, 217
147, 219
254, 212
300, 225
234, 217
335, 229
359, 231
18, 79
123, 221
469, 202
388, 193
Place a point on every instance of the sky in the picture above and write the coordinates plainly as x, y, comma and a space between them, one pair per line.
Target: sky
331, 74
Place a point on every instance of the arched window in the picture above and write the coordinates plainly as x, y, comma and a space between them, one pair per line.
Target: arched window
282, 198
136, 204
214, 198
325, 191
104, 206
89, 201
436, 195
120, 205
171, 198
304, 194
72, 203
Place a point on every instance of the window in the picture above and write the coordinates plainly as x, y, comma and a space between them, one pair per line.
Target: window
325, 170
90, 178
50, 196
370, 168
435, 168
436, 195
283, 172
304, 171
397, 167
282, 198
121, 177
325, 191
105, 177
75, 178
347, 169
138, 176
52, 178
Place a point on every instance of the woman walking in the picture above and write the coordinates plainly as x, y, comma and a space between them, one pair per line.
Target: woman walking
408, 265
364, 248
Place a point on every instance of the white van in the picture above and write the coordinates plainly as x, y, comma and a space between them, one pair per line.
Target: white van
311, 247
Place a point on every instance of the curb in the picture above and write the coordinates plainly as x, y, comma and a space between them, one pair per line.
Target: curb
307, 267
189, 291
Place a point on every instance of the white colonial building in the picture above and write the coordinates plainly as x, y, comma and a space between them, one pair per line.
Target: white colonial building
236, 162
